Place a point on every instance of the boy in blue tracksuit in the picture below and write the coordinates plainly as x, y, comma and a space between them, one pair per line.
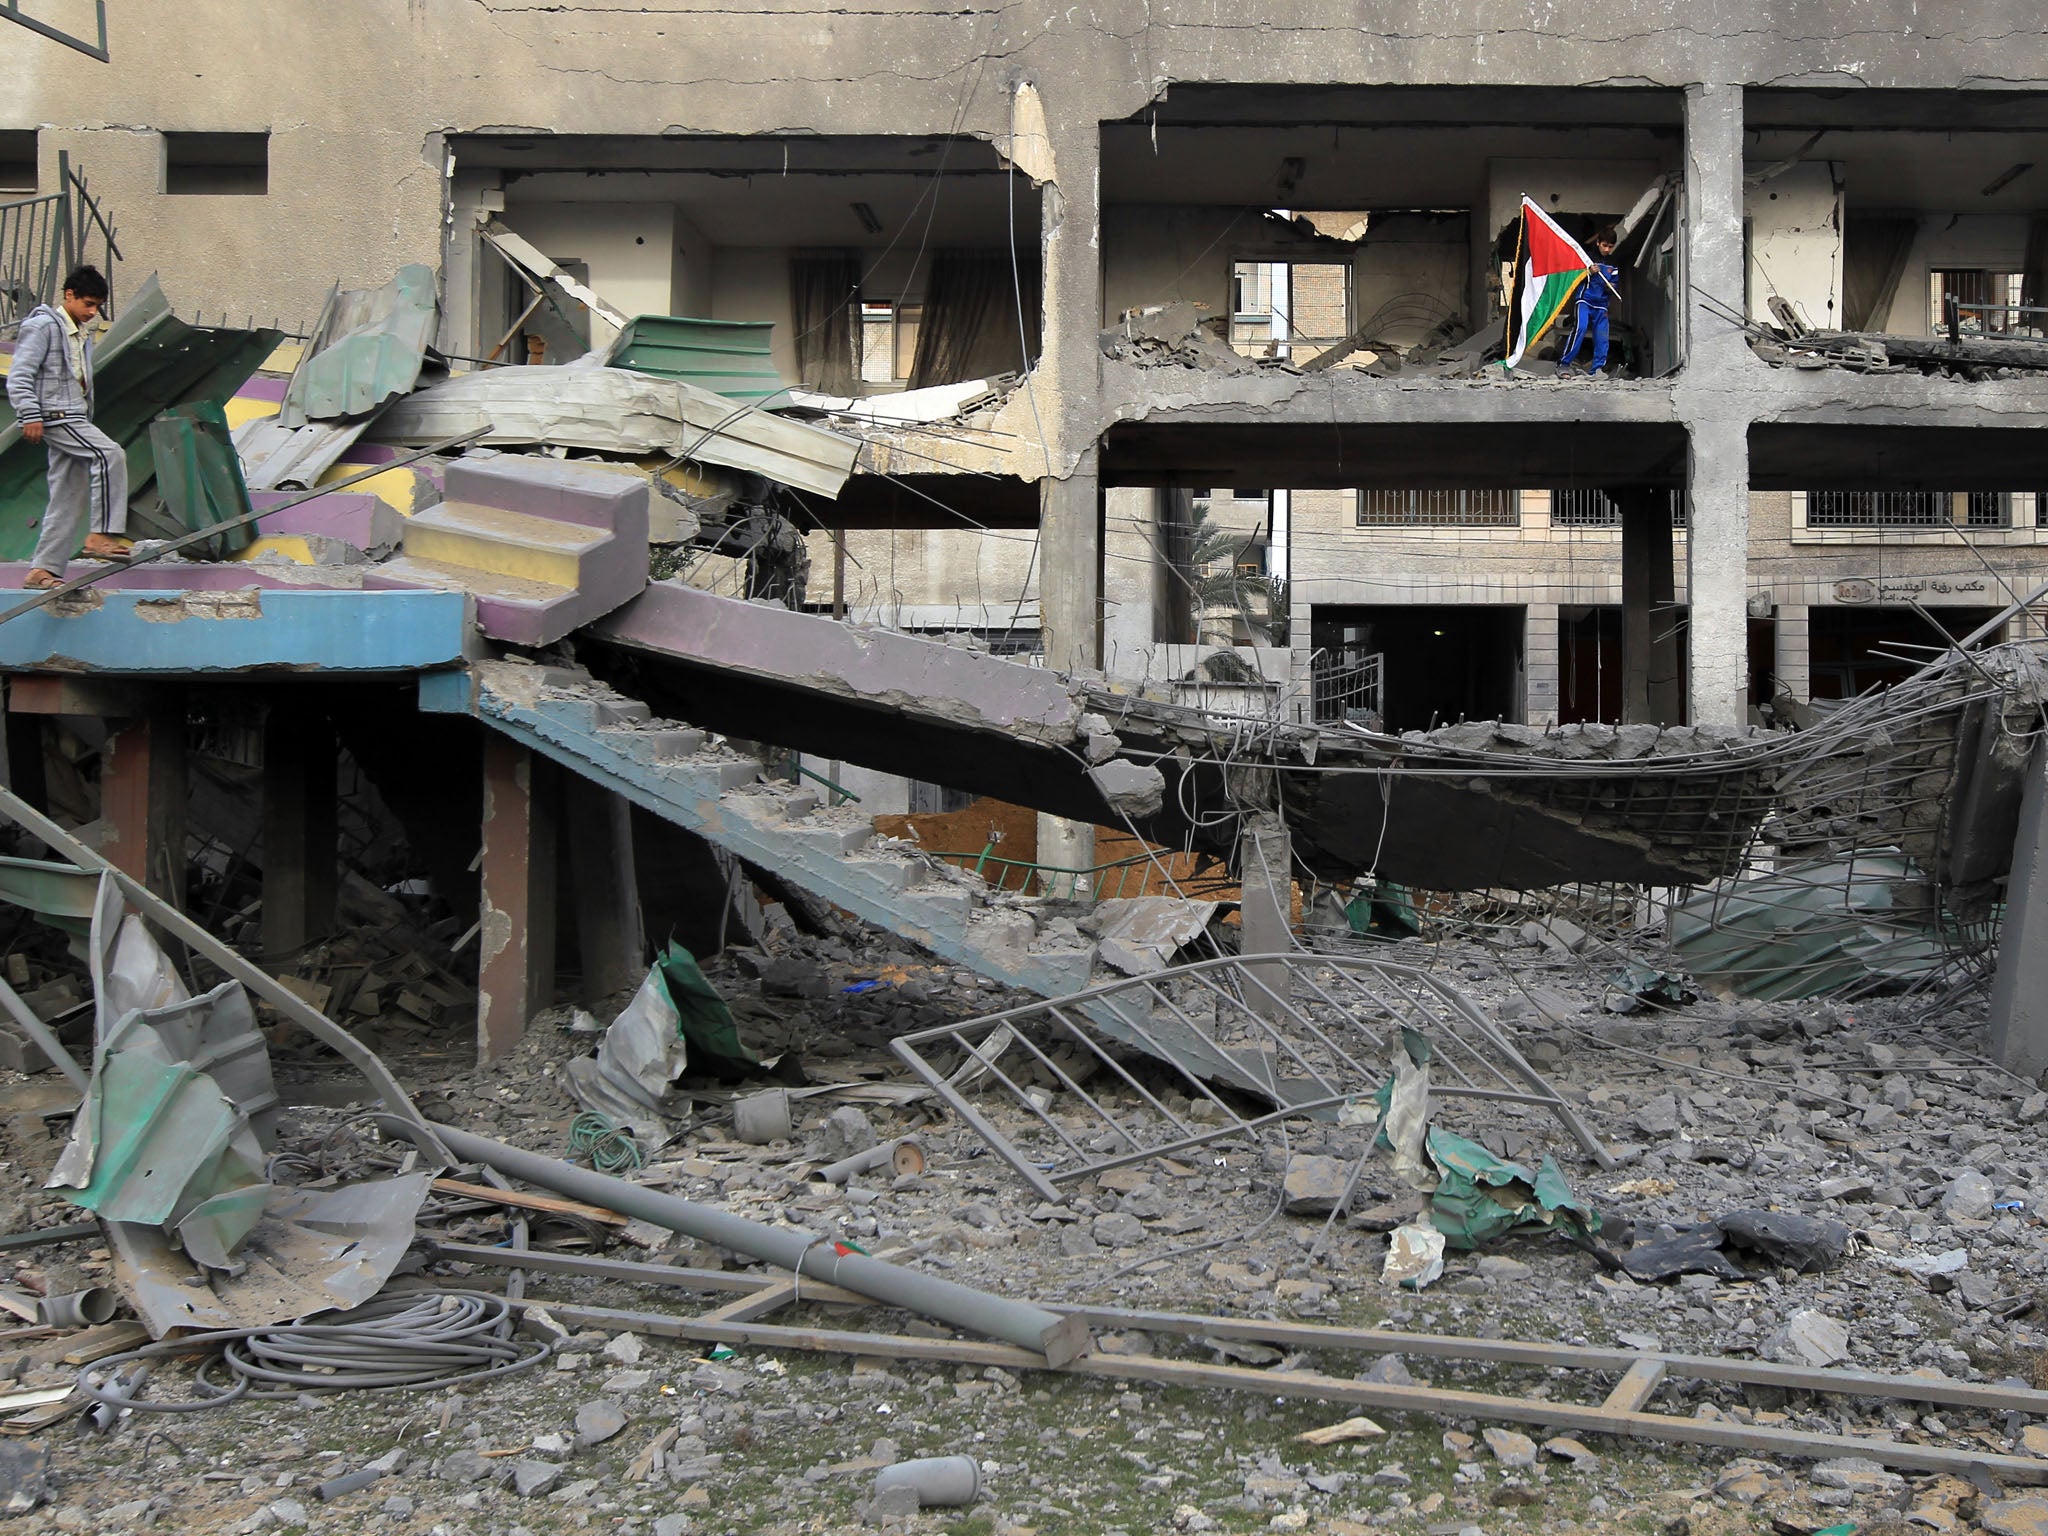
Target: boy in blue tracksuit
49, 385
1589, 315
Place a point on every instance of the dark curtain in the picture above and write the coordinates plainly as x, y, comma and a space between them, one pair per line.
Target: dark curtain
969, 326
824, 301
1874, 248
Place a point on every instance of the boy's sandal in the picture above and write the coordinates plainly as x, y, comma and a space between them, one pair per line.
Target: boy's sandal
40, 580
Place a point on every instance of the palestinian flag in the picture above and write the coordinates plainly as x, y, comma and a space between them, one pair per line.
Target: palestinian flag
1548, 274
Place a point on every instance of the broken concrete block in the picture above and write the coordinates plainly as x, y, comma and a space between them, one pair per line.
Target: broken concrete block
1969, 1197
1313, 1185
1809, 1338
1137, 789
531, 1479
1510, 1447
1118, 1229
597, 1422
847, 1131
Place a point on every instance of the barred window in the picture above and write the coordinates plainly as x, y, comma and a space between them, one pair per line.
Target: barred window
1589, 507
1877, 509
1439, 509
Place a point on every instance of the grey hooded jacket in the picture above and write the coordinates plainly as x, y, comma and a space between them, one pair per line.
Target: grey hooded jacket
40, 385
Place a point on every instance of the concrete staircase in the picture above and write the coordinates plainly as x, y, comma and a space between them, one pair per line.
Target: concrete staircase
544, 547
685, 777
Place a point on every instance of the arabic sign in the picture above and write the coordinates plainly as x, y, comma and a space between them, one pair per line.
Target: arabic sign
1861, 589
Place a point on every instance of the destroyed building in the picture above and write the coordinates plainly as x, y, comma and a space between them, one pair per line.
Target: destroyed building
1033, 498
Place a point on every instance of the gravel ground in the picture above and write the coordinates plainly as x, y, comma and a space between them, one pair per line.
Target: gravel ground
1874, 1114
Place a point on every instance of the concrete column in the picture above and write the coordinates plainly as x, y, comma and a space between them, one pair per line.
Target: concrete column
142, 794
2019, 989
1070, 600
1793, 662
611, 944
1714, 400
1717, 497
516, 969
1131, 571
1540, 649
300, 853
1266, 873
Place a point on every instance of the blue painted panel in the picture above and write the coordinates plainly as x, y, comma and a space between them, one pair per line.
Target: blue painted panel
172, 633
448, 693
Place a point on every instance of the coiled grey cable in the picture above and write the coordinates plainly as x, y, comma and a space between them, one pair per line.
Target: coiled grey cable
399, 1343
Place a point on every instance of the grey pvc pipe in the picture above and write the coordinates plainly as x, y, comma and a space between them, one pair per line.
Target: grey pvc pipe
804, 1254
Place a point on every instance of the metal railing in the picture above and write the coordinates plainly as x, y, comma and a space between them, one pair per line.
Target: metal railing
1349, 688
1967, 315
43, 238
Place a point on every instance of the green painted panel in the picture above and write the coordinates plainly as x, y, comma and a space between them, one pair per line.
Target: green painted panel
727, 357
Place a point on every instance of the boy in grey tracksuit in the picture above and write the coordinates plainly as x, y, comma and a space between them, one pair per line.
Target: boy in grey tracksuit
49, 385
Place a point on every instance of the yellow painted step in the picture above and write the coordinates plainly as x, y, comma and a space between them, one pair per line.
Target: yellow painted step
505, 543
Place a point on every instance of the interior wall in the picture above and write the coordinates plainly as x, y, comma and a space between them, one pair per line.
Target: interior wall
1795, 243
752, 283
1163, 255
691, 289
628, 247
1405, 254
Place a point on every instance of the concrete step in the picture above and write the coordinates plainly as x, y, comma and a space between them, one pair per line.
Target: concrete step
503, 542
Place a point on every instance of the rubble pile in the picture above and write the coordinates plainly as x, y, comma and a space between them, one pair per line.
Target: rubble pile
1921, 1171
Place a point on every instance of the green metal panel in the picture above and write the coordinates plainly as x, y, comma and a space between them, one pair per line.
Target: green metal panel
727, 357
368, 349
61, 894
150, 361
199, 475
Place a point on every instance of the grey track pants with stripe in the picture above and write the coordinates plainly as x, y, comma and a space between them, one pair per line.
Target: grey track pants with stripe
88, 480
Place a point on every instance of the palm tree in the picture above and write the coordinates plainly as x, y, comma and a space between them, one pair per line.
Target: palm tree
1228, 590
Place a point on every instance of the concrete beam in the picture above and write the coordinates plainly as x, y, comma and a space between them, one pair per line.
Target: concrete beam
516, 967
300, 853
245, 629
142, 796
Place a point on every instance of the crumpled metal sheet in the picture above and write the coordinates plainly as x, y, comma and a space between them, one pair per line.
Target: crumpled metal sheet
1811, 928
648, 1046
309, 1250
612, 410
1141, 934
277, 457
639, 1058
181, 1105
368, 348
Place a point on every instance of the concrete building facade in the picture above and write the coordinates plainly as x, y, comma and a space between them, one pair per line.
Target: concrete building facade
1506, 542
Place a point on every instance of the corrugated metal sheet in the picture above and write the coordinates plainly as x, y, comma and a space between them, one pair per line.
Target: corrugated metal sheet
368, 348
276, 457
612, 410
727, 357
